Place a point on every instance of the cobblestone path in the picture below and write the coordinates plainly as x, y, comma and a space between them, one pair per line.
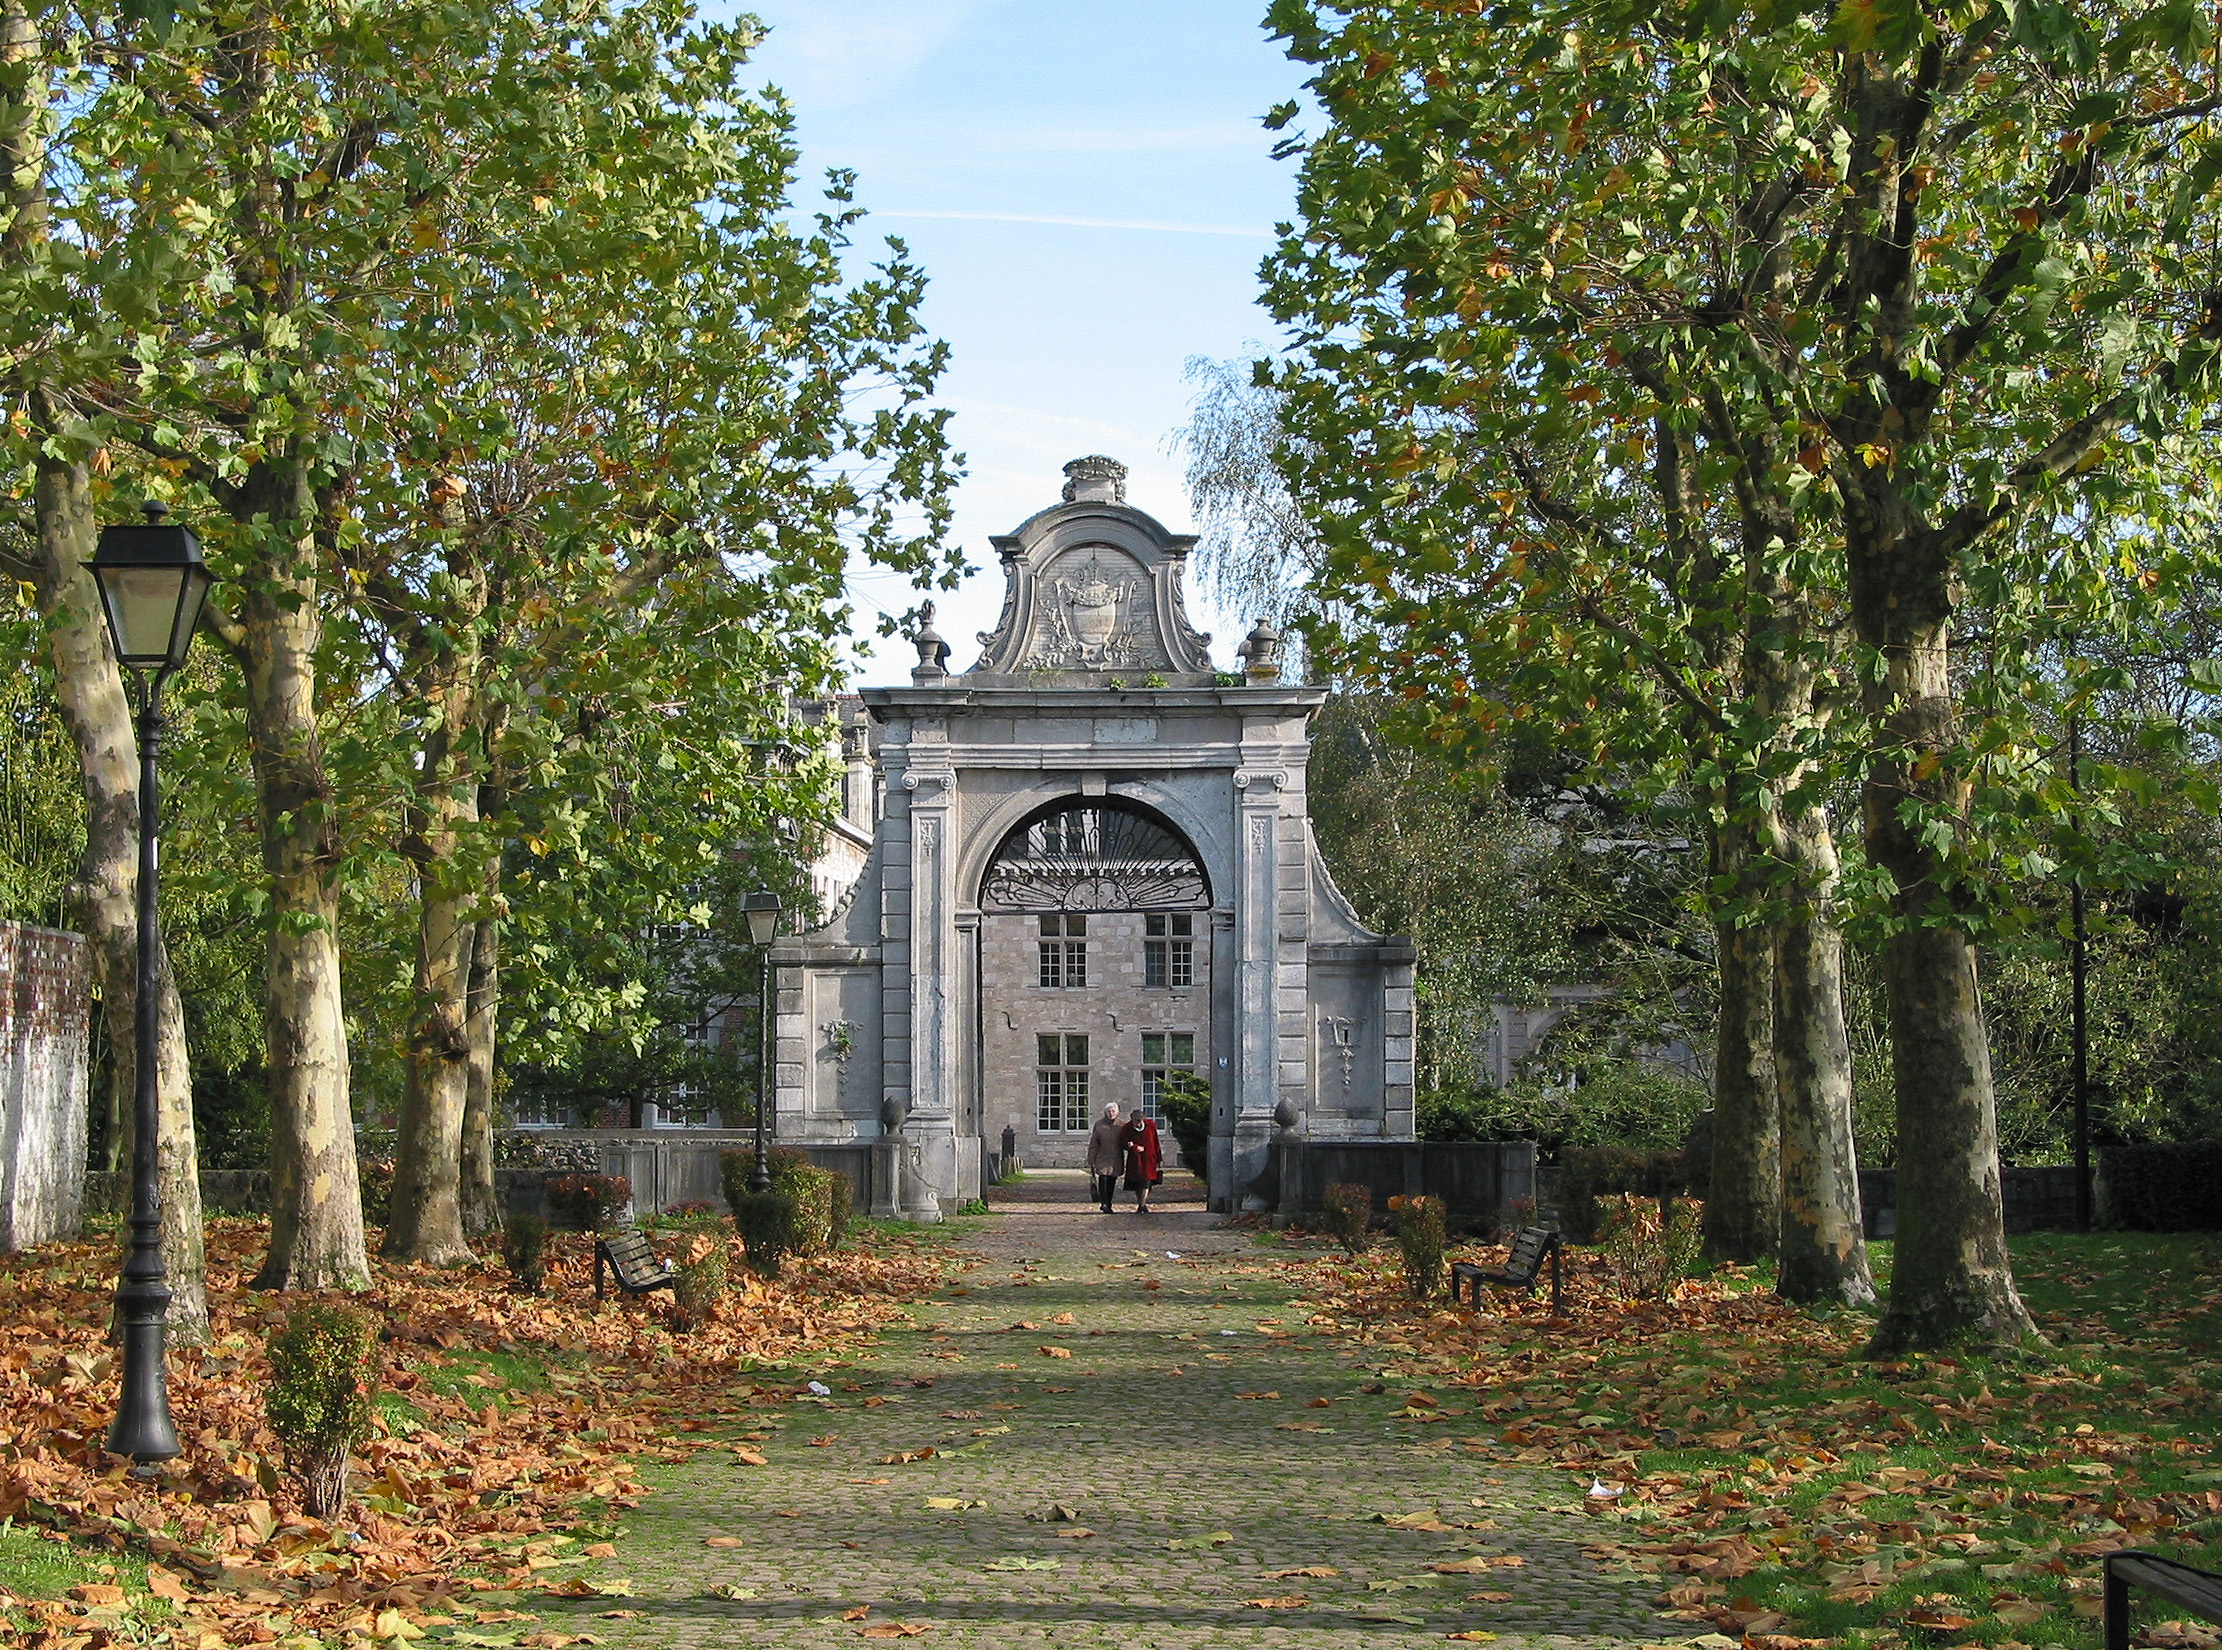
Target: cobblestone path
1152, 1434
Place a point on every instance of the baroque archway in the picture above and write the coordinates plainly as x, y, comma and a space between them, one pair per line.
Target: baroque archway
1094, 855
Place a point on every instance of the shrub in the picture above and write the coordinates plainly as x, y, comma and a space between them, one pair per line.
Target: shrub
1349, 1214
1519, 1212
1588, 1173
1187, 1104
1649, 1251
1421, 1238
322, 1363
523, 1237
822, 1198
735, 1169
812, 1190
588, 1202
700, 1282
767, 1221
2169, 1188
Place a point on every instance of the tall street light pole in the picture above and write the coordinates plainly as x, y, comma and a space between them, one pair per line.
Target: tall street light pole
762, 910
152, 582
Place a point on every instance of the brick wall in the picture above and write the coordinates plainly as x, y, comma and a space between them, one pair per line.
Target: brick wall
1114, 1009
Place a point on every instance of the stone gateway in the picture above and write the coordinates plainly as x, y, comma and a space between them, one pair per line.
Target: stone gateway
1093, 868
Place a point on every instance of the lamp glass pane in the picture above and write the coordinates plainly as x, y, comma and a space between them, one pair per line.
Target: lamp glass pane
189, 613
142, 607
763, 923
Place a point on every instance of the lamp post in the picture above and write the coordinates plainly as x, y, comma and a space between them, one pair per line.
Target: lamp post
762, 911
152, 582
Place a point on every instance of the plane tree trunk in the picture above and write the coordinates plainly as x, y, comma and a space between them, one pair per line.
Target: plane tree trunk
1743, 1202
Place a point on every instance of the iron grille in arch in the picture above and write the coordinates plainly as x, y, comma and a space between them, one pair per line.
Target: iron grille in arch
1094, 859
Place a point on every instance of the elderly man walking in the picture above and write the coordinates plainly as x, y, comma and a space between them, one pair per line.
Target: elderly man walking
1106, 1156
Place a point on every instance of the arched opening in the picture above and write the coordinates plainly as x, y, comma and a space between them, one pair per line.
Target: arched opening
1095, 942
1094, 855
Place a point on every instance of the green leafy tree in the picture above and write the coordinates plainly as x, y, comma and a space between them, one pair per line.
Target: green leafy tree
1877, 295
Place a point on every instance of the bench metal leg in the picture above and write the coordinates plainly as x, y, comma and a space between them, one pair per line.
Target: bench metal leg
2117, 1611
598, 1264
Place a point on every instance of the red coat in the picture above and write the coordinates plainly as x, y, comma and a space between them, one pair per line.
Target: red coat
1139, 1137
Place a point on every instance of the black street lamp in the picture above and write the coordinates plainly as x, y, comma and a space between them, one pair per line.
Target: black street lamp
762, 911
152, 582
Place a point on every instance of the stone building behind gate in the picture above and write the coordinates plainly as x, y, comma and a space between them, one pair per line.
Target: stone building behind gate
1091, 866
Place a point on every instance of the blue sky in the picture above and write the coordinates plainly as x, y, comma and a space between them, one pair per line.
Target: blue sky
979, 129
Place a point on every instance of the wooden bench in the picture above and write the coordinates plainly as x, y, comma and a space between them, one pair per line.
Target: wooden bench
2183, 1585
1531, 1246
626, 1254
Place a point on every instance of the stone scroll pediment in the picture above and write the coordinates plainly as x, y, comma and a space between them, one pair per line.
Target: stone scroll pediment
1094, 595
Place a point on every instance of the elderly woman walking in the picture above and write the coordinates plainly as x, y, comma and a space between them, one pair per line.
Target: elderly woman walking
1139, 1139
1106, 1156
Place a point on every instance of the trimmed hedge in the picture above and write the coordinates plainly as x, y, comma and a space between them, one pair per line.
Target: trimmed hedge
2163, 1188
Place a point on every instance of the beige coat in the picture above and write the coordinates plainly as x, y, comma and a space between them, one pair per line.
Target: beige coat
1106, 1155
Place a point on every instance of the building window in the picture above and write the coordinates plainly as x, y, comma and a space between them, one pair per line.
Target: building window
1064, 949
540, 1111
1169, 949
1163, 1052
1060, 1083
683, 1105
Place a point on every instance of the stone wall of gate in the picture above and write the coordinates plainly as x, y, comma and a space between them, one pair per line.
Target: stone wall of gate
45, 1022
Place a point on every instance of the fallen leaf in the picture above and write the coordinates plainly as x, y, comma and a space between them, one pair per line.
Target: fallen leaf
1055, 1351
723, 1541
1079, 1532
1489, 1598
1018, 1561
1472, 1636
1064, 1317
98, 1593
167, 1584
729, 1590
749, 1457
857, 1614
894, 1630
1292, 1601
1310, 1572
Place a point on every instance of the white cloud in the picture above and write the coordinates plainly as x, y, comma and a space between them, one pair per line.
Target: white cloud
832, 54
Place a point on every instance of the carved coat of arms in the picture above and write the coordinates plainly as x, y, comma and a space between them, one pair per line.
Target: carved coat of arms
1088, 621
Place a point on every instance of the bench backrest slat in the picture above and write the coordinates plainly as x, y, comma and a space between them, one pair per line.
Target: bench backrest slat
630, 1253
1527, 1251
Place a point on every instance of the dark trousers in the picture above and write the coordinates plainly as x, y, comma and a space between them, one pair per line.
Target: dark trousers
1106, 1184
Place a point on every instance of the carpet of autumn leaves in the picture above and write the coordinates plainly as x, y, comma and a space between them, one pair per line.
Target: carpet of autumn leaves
1788, 1494
505, 1427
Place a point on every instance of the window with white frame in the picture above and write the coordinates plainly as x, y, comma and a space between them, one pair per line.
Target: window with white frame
1061, 1083
683, 1105
1064, 949
540, 1111
1163, 1053
1169, 949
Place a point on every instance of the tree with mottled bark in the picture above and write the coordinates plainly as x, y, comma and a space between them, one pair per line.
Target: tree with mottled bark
63, 378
